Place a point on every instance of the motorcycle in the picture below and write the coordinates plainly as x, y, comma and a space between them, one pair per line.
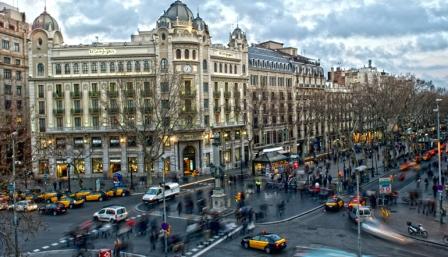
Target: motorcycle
417, 230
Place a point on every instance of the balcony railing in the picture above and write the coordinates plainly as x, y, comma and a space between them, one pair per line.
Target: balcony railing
237, 108
129, 109
237, 94
146, 109
58, 94
113, 110
217, 109
129, 93
188, 94
146, 93
217, 94
94, 110
227, 94
76, 94
112, 93
189, 112
58, 111
227, 108
94, 94
76, 110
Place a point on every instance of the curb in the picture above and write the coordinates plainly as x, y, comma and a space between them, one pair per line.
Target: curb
425, 241
292, 217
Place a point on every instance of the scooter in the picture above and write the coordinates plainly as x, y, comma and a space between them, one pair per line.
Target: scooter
417, 230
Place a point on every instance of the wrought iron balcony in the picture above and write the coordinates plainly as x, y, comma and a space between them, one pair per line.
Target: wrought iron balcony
76, 110
76, 94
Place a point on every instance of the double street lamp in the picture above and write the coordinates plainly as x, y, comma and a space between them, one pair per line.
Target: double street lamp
15, 220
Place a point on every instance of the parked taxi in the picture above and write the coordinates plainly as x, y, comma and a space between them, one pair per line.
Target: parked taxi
118, 191
70, 202
96, 196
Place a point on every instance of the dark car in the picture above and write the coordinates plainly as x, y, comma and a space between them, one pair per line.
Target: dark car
53, 209
265, 241
334, 204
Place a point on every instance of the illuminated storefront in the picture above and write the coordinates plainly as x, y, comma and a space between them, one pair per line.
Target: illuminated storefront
61, 169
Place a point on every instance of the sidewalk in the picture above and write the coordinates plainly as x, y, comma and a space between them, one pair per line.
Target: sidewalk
403, 212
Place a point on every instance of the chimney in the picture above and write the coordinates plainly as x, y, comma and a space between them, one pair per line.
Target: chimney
370, 63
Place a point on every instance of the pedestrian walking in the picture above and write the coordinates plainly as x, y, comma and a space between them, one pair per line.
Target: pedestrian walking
330, 178
426, 184
153, 240
179, 208
55, 186
434, 190
418, 183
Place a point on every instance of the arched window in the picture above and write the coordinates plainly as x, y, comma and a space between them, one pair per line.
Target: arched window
225, 68
120, 67
146, 65
40, 69
244, 68
129, 66
194, 54
112, 67
235, 68
103, 67
58, 69
220, 67
178, 54
85, 68
187, 54
164, 64
67, 68
204, 65
230, 69
215, 68
137, 66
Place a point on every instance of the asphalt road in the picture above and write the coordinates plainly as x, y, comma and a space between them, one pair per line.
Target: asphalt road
321, 229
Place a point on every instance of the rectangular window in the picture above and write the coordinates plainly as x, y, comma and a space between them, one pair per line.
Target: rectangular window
93, 67
164, 87
40, 90
16, 47
17, 61
42, 124
205, 87
60, 122
132, 141
78, 142
67, 69
19, 105
206, 120
76, 68
7, 104
94, 87
18, 75
7, 73
41, 107
95, 121
97, 165
85, 68
114, 142
165, 104
206, 104
77, 122
44, 167
96, 142
7, 60
80, 166
8, 90
5, 44
103, 67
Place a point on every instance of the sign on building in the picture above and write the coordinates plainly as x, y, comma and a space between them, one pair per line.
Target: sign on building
385, 185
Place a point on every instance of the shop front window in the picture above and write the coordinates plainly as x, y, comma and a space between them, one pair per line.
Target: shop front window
97, 165
44, 167
132, 164
114, 166
80, 166
61, 169
227, 156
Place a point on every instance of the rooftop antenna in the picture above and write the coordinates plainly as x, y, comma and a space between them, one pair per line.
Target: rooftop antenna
237, 21
97, 41
198, 11
45, 6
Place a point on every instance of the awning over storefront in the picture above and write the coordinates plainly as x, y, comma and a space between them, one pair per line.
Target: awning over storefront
270, 157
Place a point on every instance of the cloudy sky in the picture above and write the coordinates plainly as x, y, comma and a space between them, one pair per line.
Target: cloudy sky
400, 36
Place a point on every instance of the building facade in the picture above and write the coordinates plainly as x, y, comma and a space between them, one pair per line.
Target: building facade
13, 84
95, 109
286, 90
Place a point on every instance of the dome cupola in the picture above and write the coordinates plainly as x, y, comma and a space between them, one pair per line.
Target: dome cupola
179, 11
46, 22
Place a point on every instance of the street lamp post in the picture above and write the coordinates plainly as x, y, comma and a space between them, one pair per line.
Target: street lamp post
164, 208
439, 159
15, 221
357, 171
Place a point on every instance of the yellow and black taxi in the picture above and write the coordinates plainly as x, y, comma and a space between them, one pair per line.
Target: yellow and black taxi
334, 204
96, 196
33, 195
118, 191
266, 242
70, 202
81, 194
48, 196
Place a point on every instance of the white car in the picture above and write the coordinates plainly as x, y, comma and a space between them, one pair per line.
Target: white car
112, 214
154, 193
365, 213
23, 206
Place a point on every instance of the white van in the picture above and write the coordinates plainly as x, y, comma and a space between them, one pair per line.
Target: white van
154, 193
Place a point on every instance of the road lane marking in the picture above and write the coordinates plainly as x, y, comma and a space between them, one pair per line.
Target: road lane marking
217, 242
54, 244
45, 247
36, 250
63, 241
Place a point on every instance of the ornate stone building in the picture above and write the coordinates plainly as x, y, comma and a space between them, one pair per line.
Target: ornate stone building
13, 84
90, 103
